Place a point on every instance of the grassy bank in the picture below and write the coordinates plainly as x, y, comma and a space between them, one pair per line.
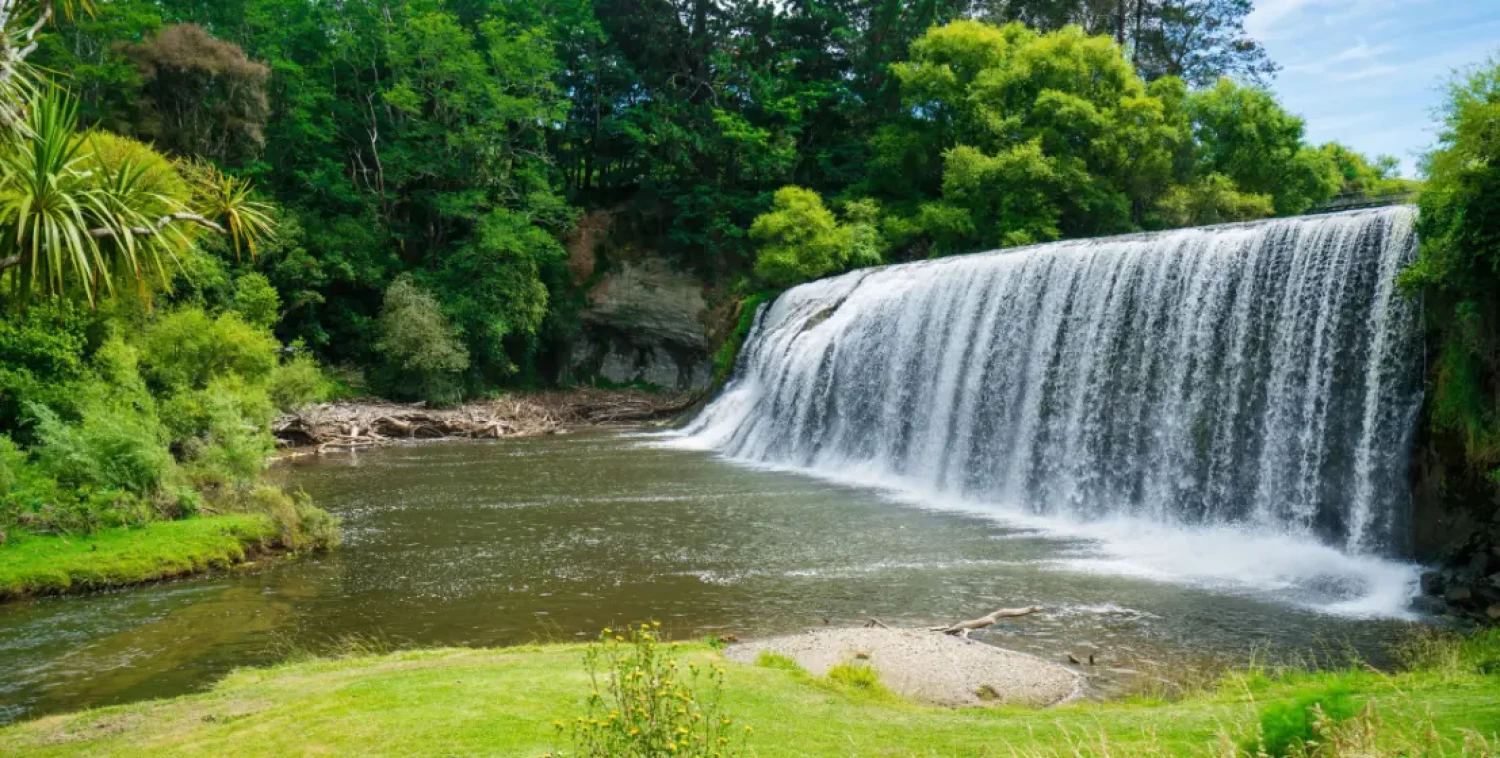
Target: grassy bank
505, 702
40, 565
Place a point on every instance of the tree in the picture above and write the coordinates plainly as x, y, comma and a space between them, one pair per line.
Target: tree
1040, 136
424, 358
1199, 41
1363, 176
81, 212
201, 96
1244, 134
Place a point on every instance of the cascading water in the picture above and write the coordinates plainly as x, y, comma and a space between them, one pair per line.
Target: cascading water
1263, 377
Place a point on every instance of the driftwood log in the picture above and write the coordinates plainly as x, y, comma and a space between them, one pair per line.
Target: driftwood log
358, 425
964, 627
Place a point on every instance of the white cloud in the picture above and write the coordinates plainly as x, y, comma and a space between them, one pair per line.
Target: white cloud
1360, 52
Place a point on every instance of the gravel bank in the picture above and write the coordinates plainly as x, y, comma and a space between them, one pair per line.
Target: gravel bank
926, 666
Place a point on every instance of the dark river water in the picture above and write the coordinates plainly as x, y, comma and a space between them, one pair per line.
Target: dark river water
489, 543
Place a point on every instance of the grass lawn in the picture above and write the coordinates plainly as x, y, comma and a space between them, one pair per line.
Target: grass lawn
39, 565
505, 701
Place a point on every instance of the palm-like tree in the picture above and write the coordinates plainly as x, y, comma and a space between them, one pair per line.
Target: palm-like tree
72, 221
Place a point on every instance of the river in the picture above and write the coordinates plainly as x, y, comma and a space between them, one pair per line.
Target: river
553, 538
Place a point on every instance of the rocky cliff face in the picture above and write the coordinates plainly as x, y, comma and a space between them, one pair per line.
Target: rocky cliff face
644, 323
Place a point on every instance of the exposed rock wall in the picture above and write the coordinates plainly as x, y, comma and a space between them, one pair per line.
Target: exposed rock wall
644, 323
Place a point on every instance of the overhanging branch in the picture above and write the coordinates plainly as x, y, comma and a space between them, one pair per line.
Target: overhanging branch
155, 229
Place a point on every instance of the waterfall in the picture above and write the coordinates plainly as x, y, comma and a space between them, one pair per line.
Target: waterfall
1262, 376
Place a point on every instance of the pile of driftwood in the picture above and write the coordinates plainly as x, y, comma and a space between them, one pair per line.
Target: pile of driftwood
361, 424
596, 406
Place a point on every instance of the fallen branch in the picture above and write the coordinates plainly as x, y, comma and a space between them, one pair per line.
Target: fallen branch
964, 627
161, 223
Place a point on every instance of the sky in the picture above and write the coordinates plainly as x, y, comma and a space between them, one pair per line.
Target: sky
1369, 73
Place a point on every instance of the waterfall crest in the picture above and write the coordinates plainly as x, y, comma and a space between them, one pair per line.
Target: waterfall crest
1262, 375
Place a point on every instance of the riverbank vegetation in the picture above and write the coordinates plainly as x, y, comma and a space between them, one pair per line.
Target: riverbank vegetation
38, 564
511, 702
1457, 278
138, 372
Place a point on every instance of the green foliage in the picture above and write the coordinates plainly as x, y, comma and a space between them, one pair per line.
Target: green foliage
42, 351
494, 290
1244, 134
110, 449
1214, 199
1287, 728
1456, 272
423, 355
799, 239
770, 660
297, 382
1363, 176
643, 704
858, 677
299, 524
256, 301
729, 350
188, 349
222, 430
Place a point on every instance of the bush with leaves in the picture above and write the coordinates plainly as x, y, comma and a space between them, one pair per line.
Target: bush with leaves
298, 381
424, 357
301, 525
256, 301
800, 239
645, 703
188, 348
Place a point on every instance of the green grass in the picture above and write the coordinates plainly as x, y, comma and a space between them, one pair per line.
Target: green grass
43, 565
504, 702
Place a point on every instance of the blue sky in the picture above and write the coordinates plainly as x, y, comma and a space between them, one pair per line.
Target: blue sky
1368, 73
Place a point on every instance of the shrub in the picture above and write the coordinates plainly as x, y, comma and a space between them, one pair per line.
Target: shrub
188, 348
223, 430
799, 239
301, 525
41, 351
644, 705
298, 382
110, 448
1212, 200
256, 300
421, 349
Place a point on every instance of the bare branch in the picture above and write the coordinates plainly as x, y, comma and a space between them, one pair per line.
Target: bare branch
162, 223
964, 627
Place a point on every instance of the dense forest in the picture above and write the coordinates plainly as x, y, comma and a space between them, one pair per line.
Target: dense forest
217, 208
457, 142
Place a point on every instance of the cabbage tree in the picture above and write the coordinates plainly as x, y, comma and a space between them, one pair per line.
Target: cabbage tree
81, 212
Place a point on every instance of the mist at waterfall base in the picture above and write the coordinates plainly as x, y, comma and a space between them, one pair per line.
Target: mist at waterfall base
1228, 407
